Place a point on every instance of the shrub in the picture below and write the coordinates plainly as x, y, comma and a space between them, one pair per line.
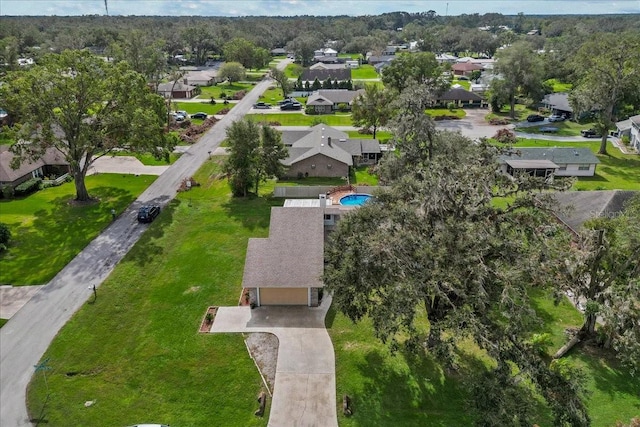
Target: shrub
213, 101
626, 140
505, 136
5, 236
6, 191
309, 109
34, 184
451, 106
223, 95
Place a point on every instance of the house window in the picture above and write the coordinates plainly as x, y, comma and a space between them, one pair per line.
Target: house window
562, 167
328, 217
329, 166
313, 166
584, 167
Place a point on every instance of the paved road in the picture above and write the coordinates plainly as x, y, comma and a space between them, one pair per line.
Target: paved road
25, 338
304, 393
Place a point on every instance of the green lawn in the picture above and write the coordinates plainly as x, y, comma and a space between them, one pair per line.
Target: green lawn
458, 112
290, 70
616, 171
294, 119
354, 56
136, 350
382, 135
361, 176
364, 72
205, 107
464, 83
228, 88
566, 128
521, 112
558, 86
48, 232
3, 321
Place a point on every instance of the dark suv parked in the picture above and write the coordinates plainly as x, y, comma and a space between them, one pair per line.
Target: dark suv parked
291, 106
535, 118
590, 133
148, 213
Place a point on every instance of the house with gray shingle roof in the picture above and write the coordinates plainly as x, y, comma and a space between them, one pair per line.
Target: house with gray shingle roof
558, 161
631, 129
52, 162
574, 208
286, 268
323, 151
328, 100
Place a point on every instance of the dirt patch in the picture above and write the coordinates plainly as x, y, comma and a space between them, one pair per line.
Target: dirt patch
207, 319
263, 348
192, 290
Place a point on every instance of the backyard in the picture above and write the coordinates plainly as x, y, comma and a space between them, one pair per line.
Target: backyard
48, 232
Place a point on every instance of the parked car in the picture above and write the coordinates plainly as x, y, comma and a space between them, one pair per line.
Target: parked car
148, 213
287, 100
557, 118
261, 105
291, 106
590, 133
199, 115
535, 118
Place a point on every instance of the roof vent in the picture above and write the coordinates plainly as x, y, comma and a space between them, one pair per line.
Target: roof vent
343, 140
575, 152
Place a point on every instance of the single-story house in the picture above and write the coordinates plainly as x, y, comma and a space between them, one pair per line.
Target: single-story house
377, 59
323, 66
558, 103
340, 74
287, 267
461, 98
631, 129
279, 51
327, 101
574, 208
323, 151
181, 90
465, 68
326, 52
201, 77
445, 57
558, 161
52, 162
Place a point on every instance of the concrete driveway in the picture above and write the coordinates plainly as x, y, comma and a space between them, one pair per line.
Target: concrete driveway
305, 383
124, 164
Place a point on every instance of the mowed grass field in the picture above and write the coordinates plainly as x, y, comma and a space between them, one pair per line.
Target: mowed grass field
136, 350
47, 232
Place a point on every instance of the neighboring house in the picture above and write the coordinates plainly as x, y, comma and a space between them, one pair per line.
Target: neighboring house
352, 63
465, 68
631, 129
201, 77
376, 59
461, 98
323, 151
340, 74
52, 163
545, 162
445, 57
287, 267
574, 208
181, 90
326, 52
533, 33
279, 51
329, 100
323, 66
558, 103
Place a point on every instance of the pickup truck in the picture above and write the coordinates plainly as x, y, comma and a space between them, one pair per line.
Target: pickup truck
590, 133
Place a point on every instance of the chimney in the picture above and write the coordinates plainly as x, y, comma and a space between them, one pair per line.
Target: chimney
185, 81
329, 141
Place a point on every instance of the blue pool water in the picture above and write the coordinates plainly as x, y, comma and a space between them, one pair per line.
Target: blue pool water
354, 199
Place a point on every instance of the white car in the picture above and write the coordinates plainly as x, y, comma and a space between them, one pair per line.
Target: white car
557, 118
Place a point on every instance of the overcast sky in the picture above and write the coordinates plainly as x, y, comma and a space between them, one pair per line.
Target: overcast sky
310, 7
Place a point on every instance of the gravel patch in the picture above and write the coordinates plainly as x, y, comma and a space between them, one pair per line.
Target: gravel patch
263, 348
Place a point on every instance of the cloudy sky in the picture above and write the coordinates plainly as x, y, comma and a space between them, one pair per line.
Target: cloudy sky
310, 7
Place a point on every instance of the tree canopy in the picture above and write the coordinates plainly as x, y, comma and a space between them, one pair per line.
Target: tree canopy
435, 247
608, 67
254, 155
373, 108
521, 71
232, 71
421, 68
83, 107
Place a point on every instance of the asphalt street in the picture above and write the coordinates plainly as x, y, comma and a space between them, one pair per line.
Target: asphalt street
25, 338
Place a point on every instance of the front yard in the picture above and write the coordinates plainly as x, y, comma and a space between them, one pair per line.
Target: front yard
48, 232
229, 89
299, 119
136, 351
565, 128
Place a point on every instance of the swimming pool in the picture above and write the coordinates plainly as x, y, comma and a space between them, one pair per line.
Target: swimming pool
354, 199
